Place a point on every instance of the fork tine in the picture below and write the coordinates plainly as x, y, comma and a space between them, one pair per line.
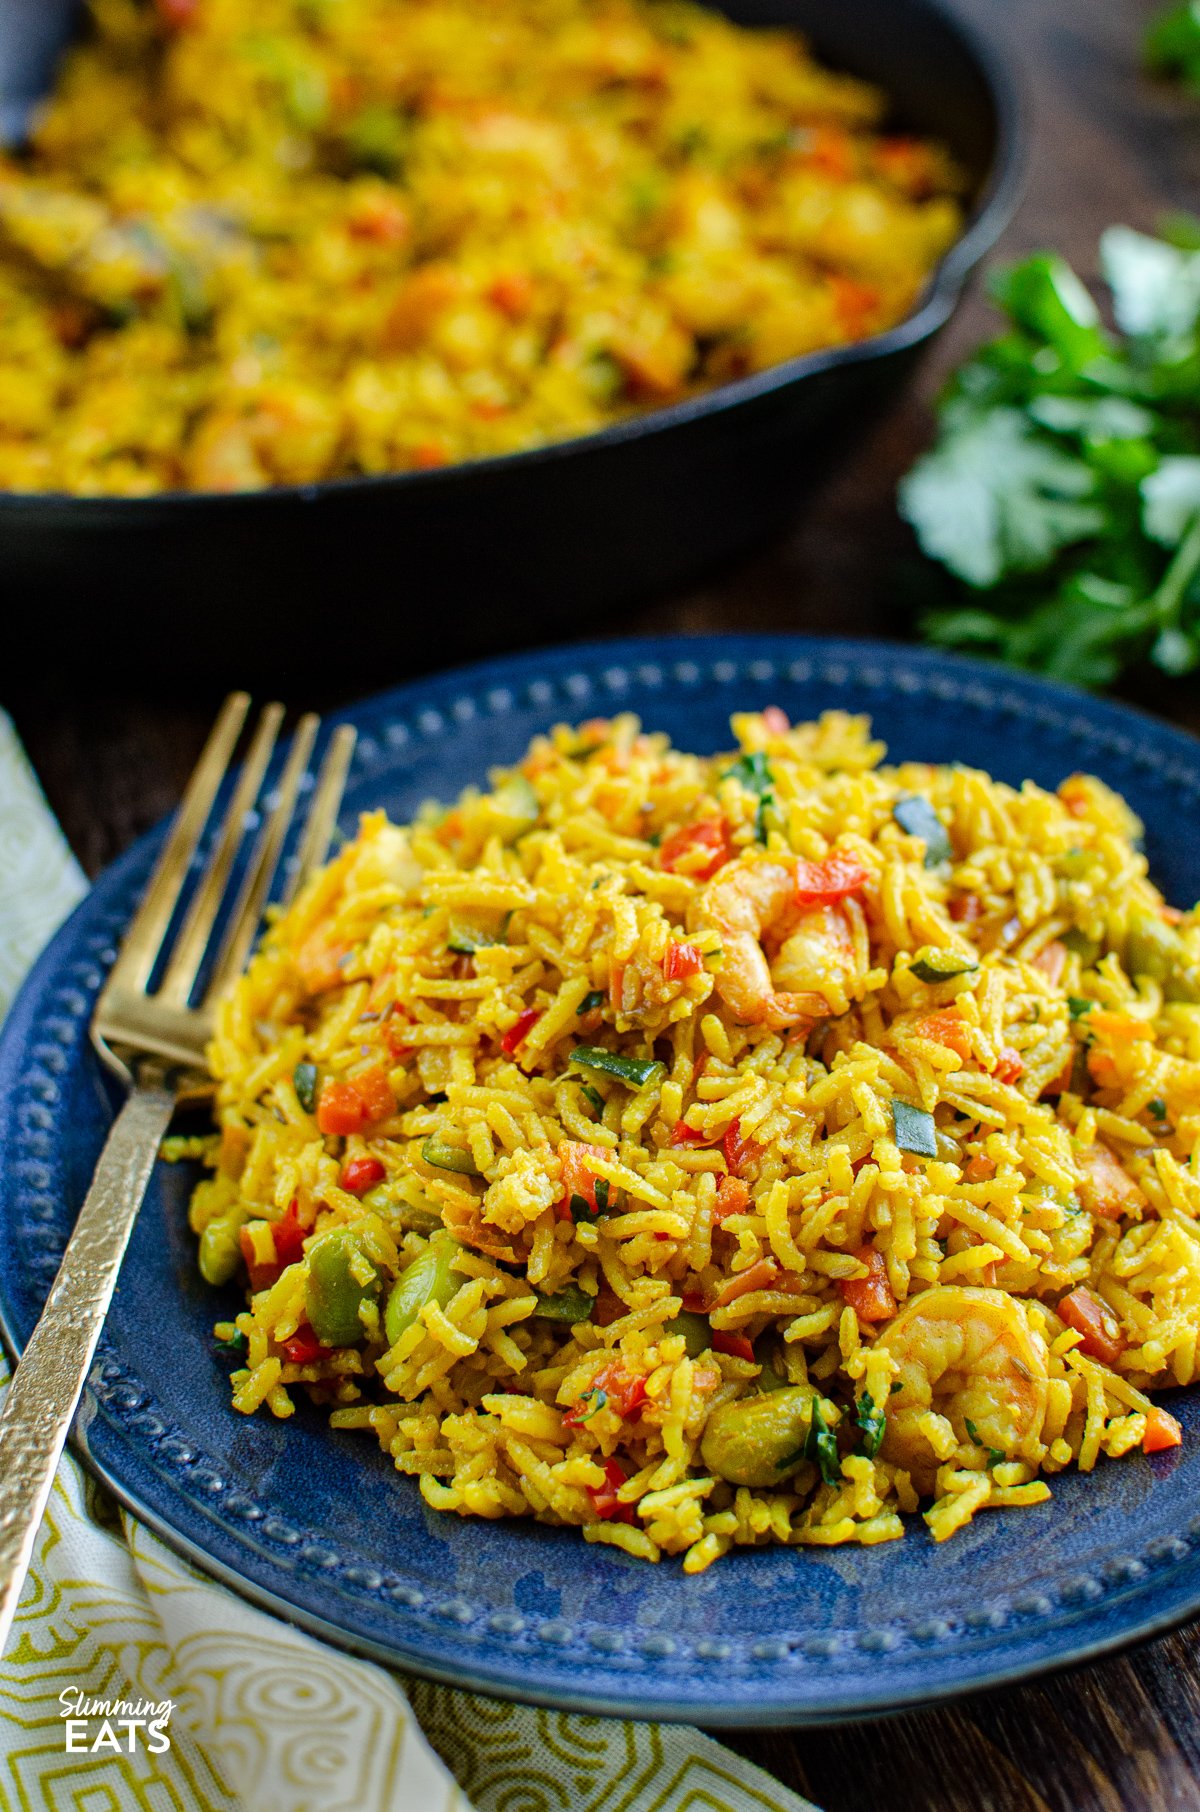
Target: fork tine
140, 946
252, 897
197, 926
322, 814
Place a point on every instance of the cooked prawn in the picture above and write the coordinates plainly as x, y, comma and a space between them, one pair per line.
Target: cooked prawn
969, 1362
752, 904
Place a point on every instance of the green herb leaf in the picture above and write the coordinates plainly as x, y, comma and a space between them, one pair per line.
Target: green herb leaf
992, 497
917, 818
872, 1424
754, 773
593, 1096
1077, 1007
570, 1305
915, 1130
635, 1072
233, 1348
595, 1399
821, 1445
590, 1002
304, 1081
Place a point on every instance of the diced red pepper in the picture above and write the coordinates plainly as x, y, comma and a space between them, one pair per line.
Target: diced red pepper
740, 1154
1010, 1065
736, 1345
360, 1174
287, 1242
855, 304
682, 961
176, 13
695, 1302
1095, 1321
1162, 1431
688, 1135
512, 293
966, 908
350, 1106
577, 1177
520, 1029
604, 1498
625, 1392
289, 1235
304, 1348
733, 1197
700, 849
871, 1296
825, 883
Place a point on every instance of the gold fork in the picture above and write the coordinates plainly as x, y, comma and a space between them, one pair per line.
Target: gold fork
154, 1041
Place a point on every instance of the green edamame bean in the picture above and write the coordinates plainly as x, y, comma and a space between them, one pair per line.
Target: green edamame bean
697, 1335
334, 1292
759, 1440
1155, 949
220, 1249
429, 1278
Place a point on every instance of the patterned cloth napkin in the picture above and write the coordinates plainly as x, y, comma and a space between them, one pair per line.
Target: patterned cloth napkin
262, 1718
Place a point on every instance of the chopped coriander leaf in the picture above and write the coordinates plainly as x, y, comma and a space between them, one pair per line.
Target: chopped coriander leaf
1077, 1006
234, 1347
595, 1400
601, 1191
1157, 1107
754, 773
917, 818
465, 939
304, 1081
915, 1130
635, 1072
590, 1002
570, 1305
872, 1424
821, 1445
592, 1096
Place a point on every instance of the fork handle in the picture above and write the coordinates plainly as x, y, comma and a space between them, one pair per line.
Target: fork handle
49, 1380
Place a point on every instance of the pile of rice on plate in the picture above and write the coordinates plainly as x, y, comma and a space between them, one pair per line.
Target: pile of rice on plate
708, 1151
263, 242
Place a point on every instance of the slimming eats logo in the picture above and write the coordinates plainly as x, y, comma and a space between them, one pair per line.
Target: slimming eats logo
93, 1726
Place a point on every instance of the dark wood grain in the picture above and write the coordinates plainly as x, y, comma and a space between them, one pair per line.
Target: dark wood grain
1122, 1736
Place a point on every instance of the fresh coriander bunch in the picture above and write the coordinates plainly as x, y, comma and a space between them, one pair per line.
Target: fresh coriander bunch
1063, 492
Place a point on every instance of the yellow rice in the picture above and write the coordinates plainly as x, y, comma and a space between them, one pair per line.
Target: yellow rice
1057, 1073
258, 242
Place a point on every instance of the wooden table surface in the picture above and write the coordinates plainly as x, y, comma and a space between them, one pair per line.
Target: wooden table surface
1108, 146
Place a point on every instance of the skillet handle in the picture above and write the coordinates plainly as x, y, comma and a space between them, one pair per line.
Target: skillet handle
50, 1377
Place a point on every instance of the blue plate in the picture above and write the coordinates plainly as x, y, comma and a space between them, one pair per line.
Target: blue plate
318, 1526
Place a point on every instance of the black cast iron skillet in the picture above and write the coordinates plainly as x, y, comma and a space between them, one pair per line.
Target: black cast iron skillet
417, 569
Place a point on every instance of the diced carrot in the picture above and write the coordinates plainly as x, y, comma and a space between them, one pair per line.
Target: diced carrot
319, 963
825, 883
947, 1028
511, 292
1106, 1188
979, 1170
682, 961
1118, 1028
871, 1296
966, 908
733, 1197
353, 1104
1162, 1431
381, 218
855, 304
758, 1276
1094, 1320
1051, 961
1009, 1066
